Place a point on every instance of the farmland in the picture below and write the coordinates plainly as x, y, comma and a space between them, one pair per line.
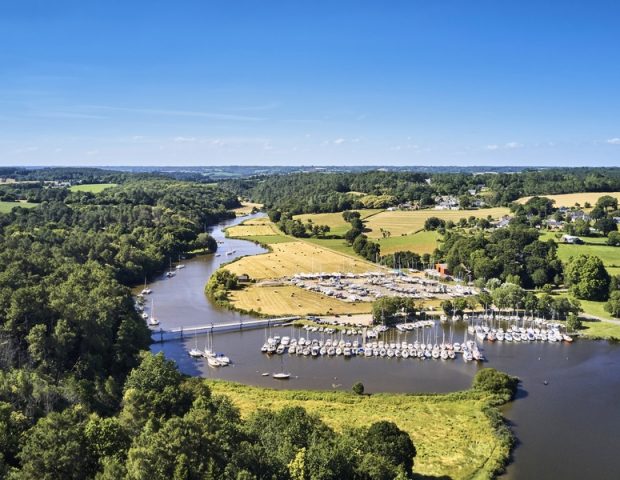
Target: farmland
468, 446
92, 187
407, 222
246, 208
571, 199
254, 227
291, 300
288, 258
335, 221
6, 207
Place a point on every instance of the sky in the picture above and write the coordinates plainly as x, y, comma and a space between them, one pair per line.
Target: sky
229, 82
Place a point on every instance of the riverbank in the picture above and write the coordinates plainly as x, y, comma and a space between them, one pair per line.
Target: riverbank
458, 435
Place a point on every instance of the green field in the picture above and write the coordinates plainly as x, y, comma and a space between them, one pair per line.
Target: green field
420, 242
453, 436
336, 223
593, 246
336, 244
6, 207
92, 187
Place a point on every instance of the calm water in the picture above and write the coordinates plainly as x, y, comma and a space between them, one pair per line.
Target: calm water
567, 429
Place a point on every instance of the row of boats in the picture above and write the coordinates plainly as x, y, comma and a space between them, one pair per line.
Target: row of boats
315, 348
213, 359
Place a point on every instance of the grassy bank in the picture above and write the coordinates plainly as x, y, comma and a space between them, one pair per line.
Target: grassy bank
459, 435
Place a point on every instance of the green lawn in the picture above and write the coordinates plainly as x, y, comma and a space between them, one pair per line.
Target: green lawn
92, 187
593, 246
601, 330
6, 207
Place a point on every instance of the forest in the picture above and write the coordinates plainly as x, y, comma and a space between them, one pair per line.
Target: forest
336, 192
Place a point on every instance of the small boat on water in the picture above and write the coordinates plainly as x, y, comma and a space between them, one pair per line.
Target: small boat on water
152, 319
213, 362
195, 352
281, 376
222, 359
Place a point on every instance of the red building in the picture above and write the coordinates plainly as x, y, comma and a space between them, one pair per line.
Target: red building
442, 268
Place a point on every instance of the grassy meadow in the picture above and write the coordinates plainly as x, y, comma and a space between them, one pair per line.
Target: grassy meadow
408, 222
570, 199
453, 436
593, 246
92, 187
336, 223
6, 207
419, 242
291, 300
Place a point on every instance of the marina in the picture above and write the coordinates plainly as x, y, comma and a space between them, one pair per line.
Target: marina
582, 383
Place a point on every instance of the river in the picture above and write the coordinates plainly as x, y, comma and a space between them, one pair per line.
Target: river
566, 429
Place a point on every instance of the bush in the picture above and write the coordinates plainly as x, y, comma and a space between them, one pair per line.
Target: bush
358, 388
496, 383
573, 323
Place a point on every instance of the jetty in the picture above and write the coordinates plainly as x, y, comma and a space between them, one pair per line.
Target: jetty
161, 335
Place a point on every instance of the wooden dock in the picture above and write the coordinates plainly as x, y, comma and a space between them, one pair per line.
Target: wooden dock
161, 335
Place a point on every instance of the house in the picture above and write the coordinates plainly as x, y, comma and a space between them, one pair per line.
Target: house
446, 202
502, 222
553, 224
243, 278
572, 239
578, 215
442, 269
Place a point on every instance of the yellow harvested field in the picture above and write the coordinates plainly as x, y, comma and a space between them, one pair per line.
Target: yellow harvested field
336, 223
246, 208
570, 199
291, 300
290, 258
254, 227
406, 222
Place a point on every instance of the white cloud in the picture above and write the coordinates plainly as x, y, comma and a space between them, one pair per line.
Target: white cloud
184, 139
339, 141
505, 146
614, 141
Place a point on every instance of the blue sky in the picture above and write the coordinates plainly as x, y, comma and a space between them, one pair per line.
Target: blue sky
315, 82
